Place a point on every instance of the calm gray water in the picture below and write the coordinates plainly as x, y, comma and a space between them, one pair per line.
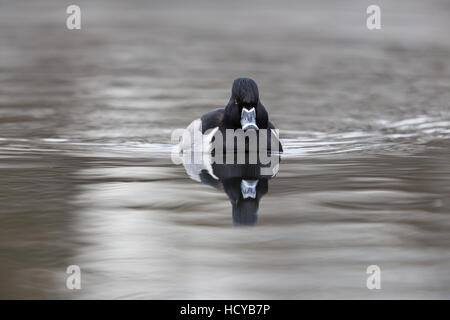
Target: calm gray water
87, 178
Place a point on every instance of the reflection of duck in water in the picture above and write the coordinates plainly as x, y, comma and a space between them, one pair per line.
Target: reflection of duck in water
245, 185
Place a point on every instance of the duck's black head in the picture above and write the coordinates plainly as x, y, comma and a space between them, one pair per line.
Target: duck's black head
245, 92
244, 110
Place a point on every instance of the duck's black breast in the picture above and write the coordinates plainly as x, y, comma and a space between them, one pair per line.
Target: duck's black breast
212, 119
215, 118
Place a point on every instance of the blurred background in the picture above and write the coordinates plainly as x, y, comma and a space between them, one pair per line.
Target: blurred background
87, 179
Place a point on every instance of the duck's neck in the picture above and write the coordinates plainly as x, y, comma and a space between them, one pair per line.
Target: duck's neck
232, 118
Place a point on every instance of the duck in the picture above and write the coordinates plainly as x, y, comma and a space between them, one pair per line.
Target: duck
244, 111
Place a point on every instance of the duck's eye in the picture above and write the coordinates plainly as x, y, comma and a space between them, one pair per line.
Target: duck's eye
235, 101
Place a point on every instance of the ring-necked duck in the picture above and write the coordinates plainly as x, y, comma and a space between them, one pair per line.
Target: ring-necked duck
243, 111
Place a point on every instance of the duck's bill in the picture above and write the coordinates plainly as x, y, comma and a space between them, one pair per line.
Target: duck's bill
248, 119
248, 188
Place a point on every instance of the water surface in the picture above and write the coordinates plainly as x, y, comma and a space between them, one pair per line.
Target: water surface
85, 151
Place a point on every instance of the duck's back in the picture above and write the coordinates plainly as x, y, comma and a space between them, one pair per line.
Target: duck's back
212, 119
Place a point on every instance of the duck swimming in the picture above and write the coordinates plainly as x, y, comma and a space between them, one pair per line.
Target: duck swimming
244, 111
